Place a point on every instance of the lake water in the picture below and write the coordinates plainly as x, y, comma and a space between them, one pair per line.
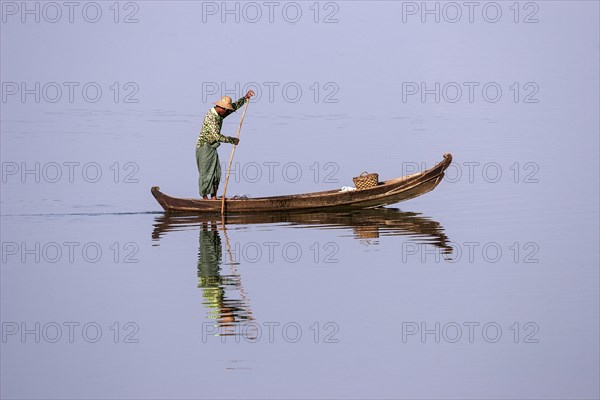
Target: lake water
486, 287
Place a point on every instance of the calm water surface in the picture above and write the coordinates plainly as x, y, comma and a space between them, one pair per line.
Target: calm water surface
487, 287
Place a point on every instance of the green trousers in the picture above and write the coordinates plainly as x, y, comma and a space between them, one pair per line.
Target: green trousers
209, 257
209, 168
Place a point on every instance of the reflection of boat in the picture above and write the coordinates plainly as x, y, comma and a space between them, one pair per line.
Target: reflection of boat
224, 296
388, 192
365, 224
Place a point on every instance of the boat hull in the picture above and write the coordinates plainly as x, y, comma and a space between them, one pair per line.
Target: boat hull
386, 193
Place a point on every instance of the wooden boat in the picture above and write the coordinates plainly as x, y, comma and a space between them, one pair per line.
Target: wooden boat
388, 192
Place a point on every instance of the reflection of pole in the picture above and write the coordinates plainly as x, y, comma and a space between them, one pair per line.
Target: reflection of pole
245, 301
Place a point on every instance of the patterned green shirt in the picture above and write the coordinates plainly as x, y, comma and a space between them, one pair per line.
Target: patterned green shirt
211, 127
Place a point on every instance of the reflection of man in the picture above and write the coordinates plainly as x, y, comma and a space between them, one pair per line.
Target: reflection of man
209, 257
225, 311
210, 138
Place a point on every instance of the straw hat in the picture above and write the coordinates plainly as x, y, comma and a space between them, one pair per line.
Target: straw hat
225, 102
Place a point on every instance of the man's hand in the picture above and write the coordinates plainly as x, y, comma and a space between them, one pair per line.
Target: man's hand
249, 94
236, 141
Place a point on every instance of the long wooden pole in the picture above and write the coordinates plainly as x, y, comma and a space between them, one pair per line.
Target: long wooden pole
231, 158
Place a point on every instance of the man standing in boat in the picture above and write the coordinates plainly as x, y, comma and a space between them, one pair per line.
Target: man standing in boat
210, 139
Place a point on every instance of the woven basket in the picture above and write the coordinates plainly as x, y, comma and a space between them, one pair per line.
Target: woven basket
366, 232
366, 180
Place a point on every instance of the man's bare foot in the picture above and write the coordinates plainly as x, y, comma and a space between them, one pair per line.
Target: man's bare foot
214, 197
204, 197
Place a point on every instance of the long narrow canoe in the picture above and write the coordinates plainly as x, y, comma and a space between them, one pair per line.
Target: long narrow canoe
388, 192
